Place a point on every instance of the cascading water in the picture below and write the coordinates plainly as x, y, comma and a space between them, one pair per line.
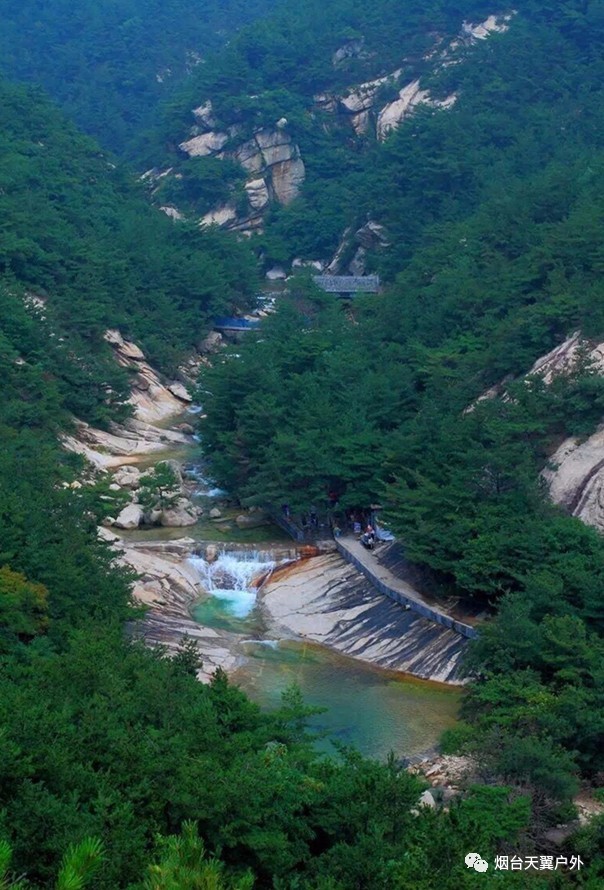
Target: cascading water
230, 578
203, 486
365, 706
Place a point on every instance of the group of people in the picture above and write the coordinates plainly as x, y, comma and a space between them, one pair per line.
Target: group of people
357, 521
360, 525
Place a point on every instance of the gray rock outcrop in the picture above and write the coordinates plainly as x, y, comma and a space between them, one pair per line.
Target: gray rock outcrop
127, 477
275, 171
180, 391
181, 514
130, 517
328, 601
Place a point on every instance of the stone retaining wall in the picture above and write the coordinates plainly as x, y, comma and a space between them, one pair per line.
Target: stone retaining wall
421, 608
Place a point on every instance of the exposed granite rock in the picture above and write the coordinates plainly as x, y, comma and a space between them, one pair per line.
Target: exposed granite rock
393, 114
575, 472
329, 602
204, 115
130, 517
181, 514
180, 391
212, 343
151, 399
494, 24
575, 475
351, 50
220, 216
172, 212
204, 145
257, 193
127, 477
123, 444
564, 358
287, 178
277, 273
168, 585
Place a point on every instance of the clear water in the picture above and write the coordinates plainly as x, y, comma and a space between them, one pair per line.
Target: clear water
376, 711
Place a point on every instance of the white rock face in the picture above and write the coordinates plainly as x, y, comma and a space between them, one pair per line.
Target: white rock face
127, 477
126, 350
204, 115
257, 193
392, 115
249, 156
211, 343
277, 273
287, 179
180, 391
575, 474
274, 166
563, 358
221, 216
495, 24
299, 263
363, 96
172, 212
130, 517
204, 145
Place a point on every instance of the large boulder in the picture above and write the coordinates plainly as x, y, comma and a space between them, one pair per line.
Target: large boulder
130, 517
257, 193
212, 343
204, 145
179, 515
180, 391
287, 178
127, 477
252, 520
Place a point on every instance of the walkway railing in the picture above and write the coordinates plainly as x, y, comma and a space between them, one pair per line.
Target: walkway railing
408, 602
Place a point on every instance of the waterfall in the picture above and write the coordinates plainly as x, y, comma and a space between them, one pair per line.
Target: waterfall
230, 576
204, 486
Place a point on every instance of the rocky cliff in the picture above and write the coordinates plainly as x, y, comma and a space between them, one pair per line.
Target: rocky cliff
270, 158
575, 471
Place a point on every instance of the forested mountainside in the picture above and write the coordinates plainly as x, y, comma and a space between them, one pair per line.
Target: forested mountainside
486, 94
492, 209
492, 213
79, 236
118, 768
109, 750
108, 64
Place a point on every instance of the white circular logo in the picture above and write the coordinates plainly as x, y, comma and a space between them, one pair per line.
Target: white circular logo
475, 861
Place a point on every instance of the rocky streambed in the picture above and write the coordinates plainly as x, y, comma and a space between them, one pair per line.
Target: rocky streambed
232, 583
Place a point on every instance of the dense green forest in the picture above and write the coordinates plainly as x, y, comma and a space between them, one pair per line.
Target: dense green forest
494, 212
108, 64
78, 233
118, 769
